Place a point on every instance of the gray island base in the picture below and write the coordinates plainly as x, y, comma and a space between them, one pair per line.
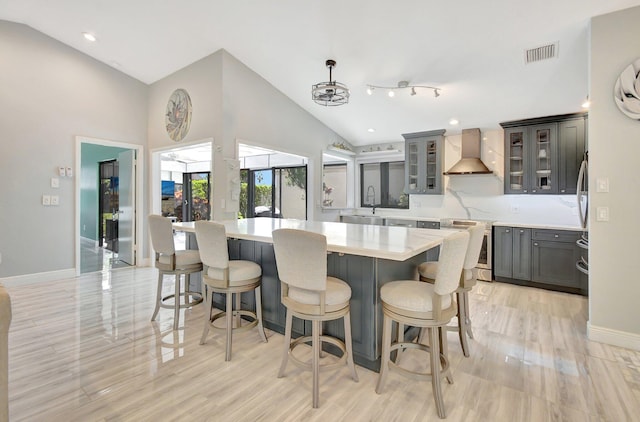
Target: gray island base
365, 274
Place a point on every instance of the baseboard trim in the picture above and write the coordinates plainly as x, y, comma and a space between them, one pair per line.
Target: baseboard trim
613, 337
21, 280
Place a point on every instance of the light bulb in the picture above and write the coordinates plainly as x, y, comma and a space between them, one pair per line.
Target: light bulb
88, 36
369, 90
392, 93
453, 122
586, 103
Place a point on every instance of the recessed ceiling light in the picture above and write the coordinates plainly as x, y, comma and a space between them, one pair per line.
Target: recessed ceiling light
391, 93
89, 36
453, 122
371, 130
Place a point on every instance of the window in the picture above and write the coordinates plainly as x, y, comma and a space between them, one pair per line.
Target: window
382, 185
286, 187
334, 185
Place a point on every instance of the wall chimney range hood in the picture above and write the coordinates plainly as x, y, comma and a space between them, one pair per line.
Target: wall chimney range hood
470, 162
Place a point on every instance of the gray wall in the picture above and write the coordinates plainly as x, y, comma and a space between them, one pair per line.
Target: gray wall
231, 102
50, 94
614, 151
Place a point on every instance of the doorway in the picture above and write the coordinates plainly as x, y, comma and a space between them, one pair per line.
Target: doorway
108, 191
276, 192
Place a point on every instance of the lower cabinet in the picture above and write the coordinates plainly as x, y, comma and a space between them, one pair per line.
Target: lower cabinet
538, 257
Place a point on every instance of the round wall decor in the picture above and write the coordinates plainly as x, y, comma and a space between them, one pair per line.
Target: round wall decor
626, 91
178, 115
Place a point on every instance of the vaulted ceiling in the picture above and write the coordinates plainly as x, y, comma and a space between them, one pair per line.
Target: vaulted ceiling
473, 51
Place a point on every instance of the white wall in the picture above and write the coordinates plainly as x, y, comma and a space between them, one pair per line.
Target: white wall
231, 102
49, 94
614, 153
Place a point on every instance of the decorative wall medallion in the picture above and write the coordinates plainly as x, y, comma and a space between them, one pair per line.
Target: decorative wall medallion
626, 92
178, 116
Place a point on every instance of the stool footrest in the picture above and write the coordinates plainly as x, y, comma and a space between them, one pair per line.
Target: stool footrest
242, 328
413, 374
323, 339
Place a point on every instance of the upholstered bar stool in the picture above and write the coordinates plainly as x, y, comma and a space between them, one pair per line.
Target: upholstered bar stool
468, 279
177, 263
431, 306
309, 294
229, 277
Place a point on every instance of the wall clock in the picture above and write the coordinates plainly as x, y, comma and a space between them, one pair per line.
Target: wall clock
626, 91
178, 115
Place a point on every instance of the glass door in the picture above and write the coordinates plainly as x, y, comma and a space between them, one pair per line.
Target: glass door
412, 167
195, 196
276, 192
432, 164
516, 152
290, 192
543, 156
108, 205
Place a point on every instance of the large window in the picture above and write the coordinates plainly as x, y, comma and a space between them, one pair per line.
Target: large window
275, 192
334, 185
382, 185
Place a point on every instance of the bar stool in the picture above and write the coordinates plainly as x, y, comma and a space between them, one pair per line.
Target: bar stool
172, 262
309, 294
431, 306
229, 277
468, 279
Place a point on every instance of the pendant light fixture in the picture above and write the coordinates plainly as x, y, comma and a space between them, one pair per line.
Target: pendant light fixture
330, 93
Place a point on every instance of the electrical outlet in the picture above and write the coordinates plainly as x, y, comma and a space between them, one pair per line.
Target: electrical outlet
55, 200
46, 200
55, 182
602, 184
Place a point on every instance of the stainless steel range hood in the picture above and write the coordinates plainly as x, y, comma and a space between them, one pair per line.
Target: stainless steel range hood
470, 162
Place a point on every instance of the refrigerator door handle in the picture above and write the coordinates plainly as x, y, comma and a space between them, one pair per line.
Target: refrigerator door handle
582, 193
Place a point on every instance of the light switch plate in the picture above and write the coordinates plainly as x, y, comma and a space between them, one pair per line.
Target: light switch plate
602, 184
602, 214
55, 200
46, 200
55, 182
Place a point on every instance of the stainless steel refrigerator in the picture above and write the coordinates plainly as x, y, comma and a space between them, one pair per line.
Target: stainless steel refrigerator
583, 212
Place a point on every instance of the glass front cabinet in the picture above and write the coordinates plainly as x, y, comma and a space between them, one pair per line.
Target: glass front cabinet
541, 157
423, 162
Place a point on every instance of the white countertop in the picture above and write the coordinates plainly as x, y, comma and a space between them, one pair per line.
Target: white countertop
539, 226
394, 243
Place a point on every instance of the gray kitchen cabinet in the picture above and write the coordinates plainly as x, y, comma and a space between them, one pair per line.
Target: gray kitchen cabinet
543, 155
512, 252
554, 256
538, 257
571, 147
423, 162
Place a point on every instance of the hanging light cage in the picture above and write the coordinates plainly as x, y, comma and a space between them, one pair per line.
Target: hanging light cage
330, 93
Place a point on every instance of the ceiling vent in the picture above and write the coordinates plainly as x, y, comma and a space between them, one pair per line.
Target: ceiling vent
544, 52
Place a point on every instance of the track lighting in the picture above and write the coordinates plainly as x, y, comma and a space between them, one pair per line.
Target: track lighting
391, 90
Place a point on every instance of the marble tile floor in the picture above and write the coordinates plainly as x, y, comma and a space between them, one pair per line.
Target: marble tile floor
83, 349
95, 258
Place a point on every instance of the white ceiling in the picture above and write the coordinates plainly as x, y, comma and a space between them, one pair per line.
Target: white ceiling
472, 50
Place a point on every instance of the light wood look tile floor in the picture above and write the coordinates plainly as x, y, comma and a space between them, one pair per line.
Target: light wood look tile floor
84, 349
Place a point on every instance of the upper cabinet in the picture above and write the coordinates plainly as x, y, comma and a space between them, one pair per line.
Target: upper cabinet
423, 162
543, 156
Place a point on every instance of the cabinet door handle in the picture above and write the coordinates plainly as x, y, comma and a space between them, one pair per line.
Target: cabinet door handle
555, 235
562, 190
507, 231
534, 191
535, 244
525, 191
521, 231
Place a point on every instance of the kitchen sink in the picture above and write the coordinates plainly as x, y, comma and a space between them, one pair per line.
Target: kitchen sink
363, 219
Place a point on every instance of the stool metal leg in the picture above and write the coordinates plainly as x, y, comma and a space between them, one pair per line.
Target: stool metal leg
176, 303
434, 342
462, 323
259, 314
315, 361
349, 346
158, 297
207, 315
287, 344
467, 313
386, 351
229, 317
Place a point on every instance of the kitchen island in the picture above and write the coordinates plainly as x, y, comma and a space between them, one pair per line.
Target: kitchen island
364, 256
